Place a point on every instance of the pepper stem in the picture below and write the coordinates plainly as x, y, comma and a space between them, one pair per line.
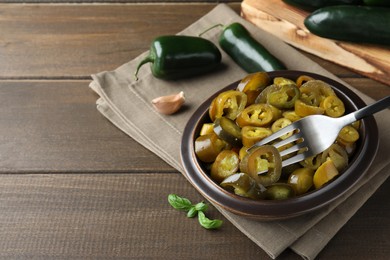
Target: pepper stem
212, 27
147, 59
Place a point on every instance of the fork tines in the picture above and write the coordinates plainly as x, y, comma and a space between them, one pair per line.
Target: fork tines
296, 137
286, 130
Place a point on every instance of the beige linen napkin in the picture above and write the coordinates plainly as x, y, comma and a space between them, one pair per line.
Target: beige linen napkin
127, 104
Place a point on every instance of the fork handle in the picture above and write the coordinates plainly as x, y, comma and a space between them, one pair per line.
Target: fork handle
373, 108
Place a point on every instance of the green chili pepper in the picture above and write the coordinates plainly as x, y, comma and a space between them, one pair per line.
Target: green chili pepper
177, 56
362, 24
248, 53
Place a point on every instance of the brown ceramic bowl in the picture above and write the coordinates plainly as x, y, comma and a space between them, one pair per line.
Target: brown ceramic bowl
271, 209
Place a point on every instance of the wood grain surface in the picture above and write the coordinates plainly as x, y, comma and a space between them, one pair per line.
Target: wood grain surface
72, 186
286, 22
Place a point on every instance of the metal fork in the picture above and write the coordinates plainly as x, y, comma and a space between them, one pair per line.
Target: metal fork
316, 133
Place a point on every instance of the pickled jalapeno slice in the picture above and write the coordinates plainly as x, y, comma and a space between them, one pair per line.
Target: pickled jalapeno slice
207, 147
279, 124
255, 115
253, 84
207, 128
325, 173
281, 81
283, 96
254, 110
226, 164
303, 109
314, 92
337, 154
229, 104
228, 130
244, 185
263, 164
333, 106
254, 134
302, 80
348, 134
301, 180
279, 191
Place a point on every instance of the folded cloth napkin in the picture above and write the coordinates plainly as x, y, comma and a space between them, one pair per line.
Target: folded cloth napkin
127, 104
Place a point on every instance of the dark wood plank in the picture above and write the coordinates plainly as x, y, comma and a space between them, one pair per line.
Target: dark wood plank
54, 126
101, 216
108, 216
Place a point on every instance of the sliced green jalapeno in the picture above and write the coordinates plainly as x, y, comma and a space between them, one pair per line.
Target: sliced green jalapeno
228, 130
348, 134
207, 128
253, 84
229, 103
263, 164
253, 134
257, 172
283, 81
225, 164
207, 147
325, 173
255, 115
312, 162
301, 180
279, 191
279, 124
314, 92
333, 106
244, 185
338, 155
303, 109
283, 96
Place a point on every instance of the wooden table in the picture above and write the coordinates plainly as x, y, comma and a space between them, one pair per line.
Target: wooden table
72, 186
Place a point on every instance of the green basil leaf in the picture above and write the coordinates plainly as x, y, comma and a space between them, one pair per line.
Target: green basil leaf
208, 223
179, 203
192, 212
201, 206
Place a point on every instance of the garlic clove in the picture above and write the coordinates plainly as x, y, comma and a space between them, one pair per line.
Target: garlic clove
170, 104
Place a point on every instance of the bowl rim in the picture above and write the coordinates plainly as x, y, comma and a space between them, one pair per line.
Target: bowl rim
281, 209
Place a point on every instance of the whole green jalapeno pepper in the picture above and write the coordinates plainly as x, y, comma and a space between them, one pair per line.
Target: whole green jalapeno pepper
178, 56
361, 24
248, 53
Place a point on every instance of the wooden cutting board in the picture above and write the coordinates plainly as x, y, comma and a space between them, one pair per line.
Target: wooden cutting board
286, 22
